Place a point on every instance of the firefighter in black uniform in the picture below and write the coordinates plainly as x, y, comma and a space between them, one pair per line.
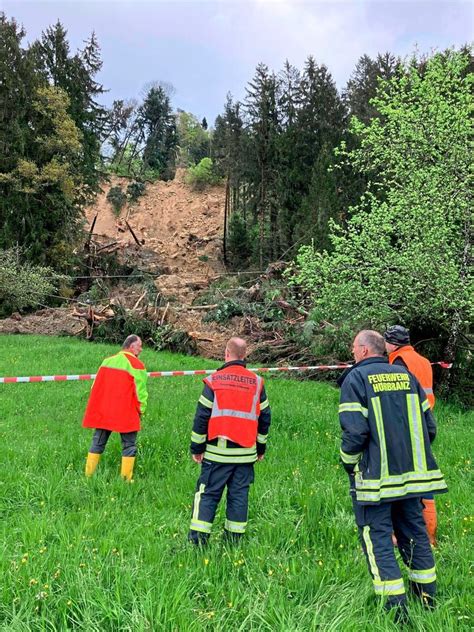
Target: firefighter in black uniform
387, 429
229, 434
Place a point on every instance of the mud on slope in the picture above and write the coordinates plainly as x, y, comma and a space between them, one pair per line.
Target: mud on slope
181, 232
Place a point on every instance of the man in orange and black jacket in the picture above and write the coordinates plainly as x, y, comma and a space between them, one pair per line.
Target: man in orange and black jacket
229, 434
400, 352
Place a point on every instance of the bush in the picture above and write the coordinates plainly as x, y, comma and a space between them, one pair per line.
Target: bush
135, 190
23, 285
159, 337
201, 175
117, 198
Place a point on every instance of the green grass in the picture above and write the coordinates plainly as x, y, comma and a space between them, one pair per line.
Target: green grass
103, 555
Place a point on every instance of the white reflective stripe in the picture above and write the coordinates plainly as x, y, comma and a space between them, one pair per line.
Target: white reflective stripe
228, 412
235, 527
381, 435
197, 501
398, 480
198, 438
392, 587
423, 576
205, 402
353, 407
264, 404
350, 458
220, 458
416, 433
200, 525
224, 450
393, 492
428, 391
256, 398
370, 553
262, 438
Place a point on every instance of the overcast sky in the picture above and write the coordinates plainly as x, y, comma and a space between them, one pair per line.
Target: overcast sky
207, 48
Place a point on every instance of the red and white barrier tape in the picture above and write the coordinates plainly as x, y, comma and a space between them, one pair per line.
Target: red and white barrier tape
91, 376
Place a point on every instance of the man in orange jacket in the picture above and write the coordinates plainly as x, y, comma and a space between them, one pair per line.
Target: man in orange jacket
117, 401
229, 434
400, 351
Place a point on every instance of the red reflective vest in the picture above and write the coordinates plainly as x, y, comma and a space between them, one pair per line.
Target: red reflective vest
236, 406
419, 366
119, 395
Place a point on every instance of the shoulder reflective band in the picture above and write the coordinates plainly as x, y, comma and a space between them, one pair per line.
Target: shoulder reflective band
276, 369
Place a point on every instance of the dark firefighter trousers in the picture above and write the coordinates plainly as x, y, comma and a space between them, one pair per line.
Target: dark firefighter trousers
404, 518
237, 477
100, 438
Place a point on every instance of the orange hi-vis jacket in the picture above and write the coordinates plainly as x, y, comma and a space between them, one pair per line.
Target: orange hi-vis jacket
119, 394
419, 366
236, 405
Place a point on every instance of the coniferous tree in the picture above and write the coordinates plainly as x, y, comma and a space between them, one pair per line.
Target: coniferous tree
157, 128
75, 75
362, 85
261, 105
288, 176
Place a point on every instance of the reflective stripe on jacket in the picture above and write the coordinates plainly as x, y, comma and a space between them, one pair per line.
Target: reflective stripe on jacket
236, 405
419, 366
387, 429
221, 449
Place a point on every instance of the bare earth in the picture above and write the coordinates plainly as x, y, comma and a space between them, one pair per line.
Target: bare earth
180, 231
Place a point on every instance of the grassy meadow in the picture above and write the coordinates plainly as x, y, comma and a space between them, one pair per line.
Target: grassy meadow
103, 555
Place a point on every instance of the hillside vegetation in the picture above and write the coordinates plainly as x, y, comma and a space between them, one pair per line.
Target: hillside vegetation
102, 555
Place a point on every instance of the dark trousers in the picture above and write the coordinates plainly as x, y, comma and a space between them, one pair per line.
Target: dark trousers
376, 523
100, 438
209, 489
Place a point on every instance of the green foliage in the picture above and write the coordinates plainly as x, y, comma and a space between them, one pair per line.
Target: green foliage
300, 566
117, 198
158, 337
239, 241
135, 190
403, 257
50, 142
201, 175
226, 310
23, 285
156, 121
193, 139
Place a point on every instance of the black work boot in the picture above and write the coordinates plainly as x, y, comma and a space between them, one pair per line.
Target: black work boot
398, 604
425, 593
198, 538
232, 538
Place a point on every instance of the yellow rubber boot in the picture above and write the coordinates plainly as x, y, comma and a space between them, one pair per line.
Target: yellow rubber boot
91, 463
127, 467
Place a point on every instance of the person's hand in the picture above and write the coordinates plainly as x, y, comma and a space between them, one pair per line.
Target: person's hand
197, 458
260, 457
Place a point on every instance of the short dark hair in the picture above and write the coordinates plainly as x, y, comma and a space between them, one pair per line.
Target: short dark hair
129, 341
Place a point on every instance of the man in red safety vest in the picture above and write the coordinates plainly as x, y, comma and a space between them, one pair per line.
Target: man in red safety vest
117, 402
400, 351
229, 434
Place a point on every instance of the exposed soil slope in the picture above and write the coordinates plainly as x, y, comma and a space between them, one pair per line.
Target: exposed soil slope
180, 231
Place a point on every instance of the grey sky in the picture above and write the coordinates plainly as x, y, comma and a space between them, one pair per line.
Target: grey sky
207, 48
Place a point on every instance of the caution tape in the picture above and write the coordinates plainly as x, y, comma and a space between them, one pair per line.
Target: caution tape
91, 376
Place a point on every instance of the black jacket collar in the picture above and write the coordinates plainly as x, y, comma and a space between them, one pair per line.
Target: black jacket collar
375, 359
233, 363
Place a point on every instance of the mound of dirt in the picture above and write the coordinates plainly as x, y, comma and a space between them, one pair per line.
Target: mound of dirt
172, 231
183, 227
46, 322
